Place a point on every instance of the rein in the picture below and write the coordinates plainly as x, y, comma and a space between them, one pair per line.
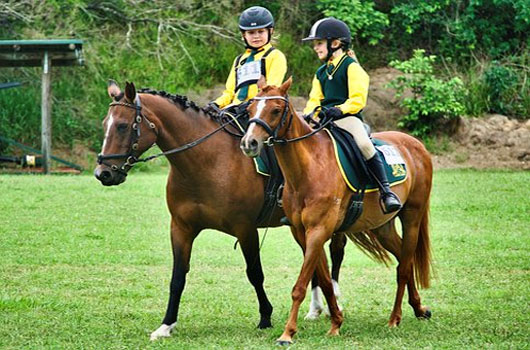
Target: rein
274, 139
131, 159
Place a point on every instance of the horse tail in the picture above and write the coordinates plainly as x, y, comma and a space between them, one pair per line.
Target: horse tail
422, 255
369, 244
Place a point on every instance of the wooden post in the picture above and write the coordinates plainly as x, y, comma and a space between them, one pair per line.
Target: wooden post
46, 123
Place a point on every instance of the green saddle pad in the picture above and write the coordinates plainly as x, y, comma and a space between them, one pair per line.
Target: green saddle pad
394, 165
261, 167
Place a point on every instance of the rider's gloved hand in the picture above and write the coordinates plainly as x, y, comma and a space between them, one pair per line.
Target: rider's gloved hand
211, 108
334, 113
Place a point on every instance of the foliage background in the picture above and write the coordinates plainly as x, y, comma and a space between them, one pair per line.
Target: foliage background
190, 45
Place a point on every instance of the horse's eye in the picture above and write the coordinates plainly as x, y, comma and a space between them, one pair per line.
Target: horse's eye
122, 127
276, 111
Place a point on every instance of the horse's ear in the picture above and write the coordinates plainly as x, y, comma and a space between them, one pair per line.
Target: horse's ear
113, 89
130, 92
285, 86
262, 82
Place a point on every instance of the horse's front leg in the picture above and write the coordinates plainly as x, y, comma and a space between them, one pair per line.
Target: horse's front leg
181, 241
336, 252
248, 240
312, 245
328, 290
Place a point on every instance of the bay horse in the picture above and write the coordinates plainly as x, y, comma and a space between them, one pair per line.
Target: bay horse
212, 185
316, 197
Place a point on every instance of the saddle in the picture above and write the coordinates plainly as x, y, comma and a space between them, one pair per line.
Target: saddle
355, 172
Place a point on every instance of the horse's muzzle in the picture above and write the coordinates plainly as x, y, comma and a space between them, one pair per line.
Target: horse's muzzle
107, 176
250, 146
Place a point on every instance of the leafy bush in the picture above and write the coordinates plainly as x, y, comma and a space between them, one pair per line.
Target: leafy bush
360, 16
435, 103
505, 90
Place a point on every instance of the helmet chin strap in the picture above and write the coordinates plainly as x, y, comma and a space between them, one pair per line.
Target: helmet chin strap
331, 50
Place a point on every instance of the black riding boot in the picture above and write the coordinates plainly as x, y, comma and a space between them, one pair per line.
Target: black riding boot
390, 201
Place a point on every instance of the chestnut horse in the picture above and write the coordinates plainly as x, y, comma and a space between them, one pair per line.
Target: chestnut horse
316, 198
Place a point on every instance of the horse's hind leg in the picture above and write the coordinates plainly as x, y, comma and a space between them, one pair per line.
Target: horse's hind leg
390, 240
250, 247
413, 216
181, 242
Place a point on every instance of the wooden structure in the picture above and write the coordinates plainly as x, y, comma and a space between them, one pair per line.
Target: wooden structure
45, 53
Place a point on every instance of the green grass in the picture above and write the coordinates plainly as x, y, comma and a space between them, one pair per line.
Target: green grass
87, 267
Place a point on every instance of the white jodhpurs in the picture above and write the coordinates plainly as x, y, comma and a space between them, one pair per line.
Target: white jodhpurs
355, 127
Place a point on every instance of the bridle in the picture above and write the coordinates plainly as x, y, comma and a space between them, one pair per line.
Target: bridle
273, 133
130, 158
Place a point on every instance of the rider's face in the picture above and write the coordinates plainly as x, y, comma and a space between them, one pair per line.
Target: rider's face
321, 49
257, 37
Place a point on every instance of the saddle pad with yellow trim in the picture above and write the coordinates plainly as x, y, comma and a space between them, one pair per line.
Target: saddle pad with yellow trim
394, 165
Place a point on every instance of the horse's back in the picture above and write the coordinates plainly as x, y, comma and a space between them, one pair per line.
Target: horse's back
412, 150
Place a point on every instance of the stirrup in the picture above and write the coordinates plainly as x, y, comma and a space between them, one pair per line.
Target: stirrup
285, 221
395, 207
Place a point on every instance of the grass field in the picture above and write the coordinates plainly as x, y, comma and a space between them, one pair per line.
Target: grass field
87, 267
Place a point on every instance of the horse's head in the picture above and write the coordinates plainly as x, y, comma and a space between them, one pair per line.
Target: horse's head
269, 115
128, 133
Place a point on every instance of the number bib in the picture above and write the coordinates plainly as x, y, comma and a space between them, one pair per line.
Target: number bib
391, 154
248, 73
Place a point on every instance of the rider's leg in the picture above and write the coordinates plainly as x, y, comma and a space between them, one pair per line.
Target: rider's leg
355, 126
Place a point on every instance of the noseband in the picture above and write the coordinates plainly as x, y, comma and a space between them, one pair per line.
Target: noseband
130, 158
273, 134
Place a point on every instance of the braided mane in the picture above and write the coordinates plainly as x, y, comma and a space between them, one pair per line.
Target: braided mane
178, 100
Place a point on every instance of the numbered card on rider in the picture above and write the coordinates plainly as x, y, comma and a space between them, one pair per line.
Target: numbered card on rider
249, 72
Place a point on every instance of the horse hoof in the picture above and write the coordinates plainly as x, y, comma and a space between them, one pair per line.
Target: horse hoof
426, 315
283, 342
163, 331
264, 323
312, 315
333, 332
394, 323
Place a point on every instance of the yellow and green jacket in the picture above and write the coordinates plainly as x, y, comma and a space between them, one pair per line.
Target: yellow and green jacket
273, 67
340, 83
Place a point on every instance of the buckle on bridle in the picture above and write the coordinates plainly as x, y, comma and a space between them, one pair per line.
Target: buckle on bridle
270, 141
131, 160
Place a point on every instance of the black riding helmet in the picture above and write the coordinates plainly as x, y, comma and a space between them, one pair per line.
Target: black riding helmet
256, 17
330, 29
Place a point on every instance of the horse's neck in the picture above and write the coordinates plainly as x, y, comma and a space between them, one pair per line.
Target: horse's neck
297, 157
179, 126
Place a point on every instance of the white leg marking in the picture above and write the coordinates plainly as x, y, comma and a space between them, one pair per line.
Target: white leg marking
316, 307
336, 288
163, 331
